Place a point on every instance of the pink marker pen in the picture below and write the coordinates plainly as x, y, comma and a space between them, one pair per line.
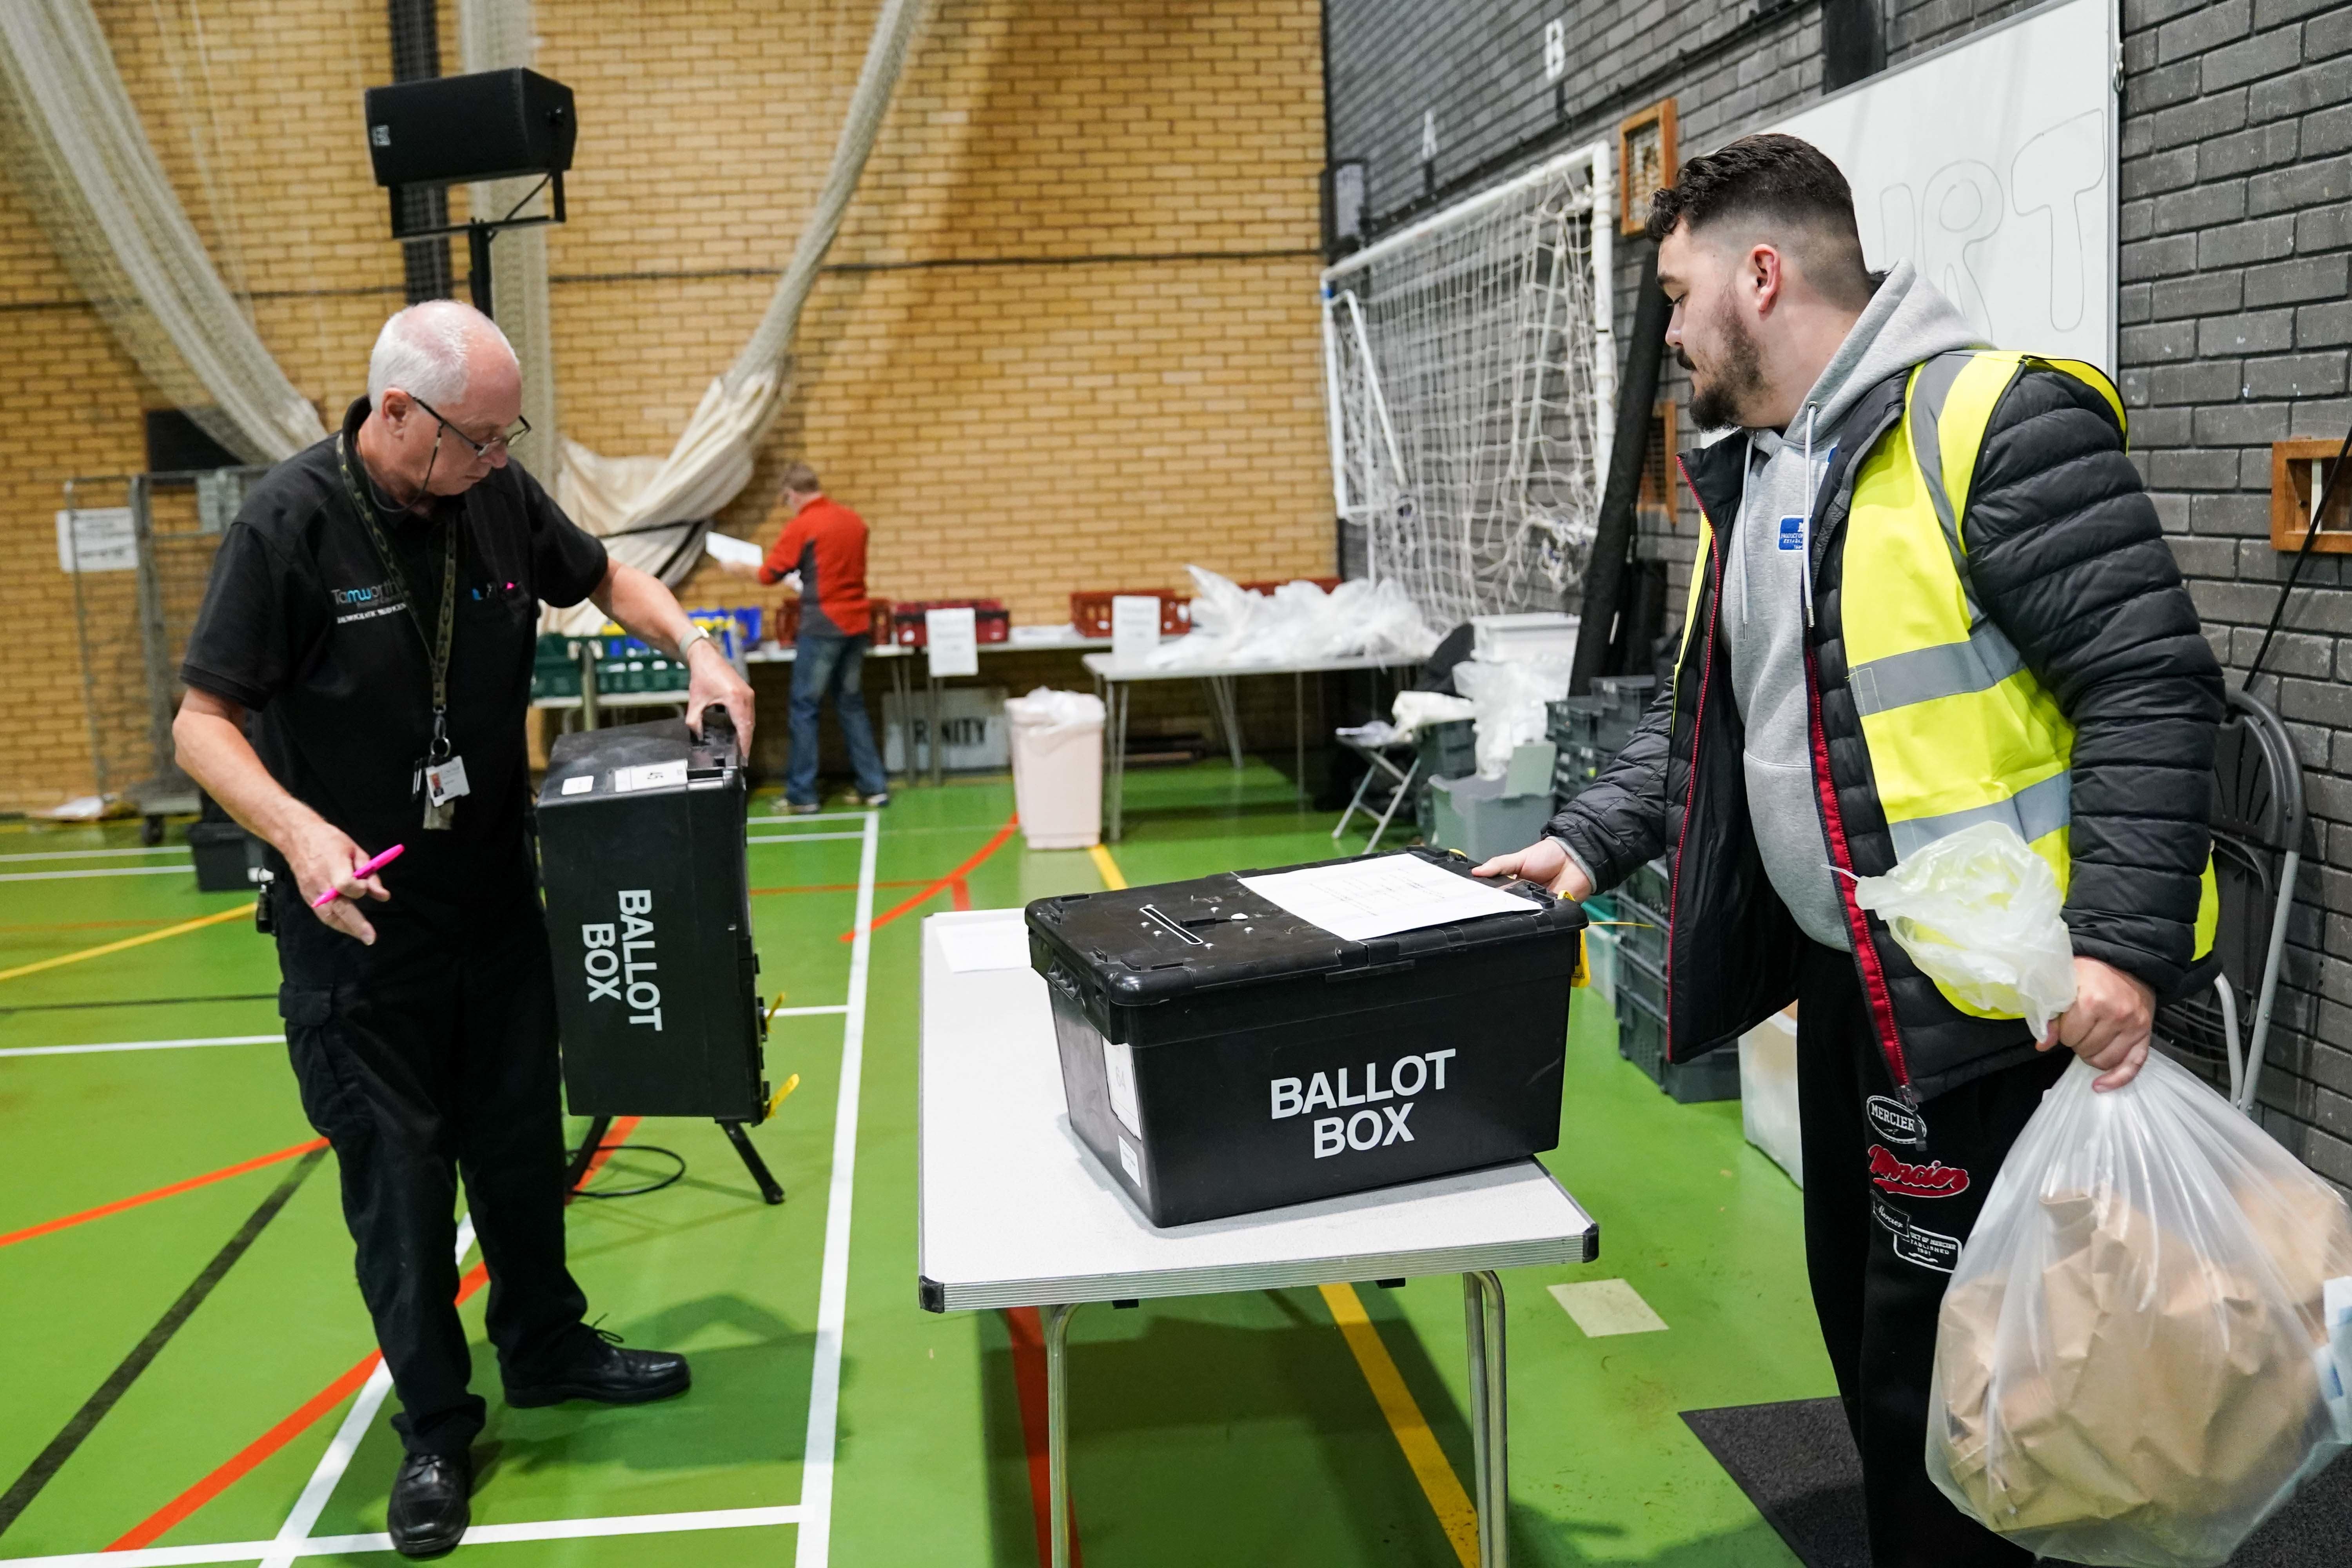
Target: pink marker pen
367, 869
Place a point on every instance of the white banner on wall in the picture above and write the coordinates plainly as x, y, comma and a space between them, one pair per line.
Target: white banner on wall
1991, 164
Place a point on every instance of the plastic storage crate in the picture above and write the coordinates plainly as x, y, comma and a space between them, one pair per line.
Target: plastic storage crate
1090, 610
992, 622
1642, 1040
1221, 1056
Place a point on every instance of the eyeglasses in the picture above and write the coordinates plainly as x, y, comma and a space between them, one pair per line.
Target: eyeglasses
505, 440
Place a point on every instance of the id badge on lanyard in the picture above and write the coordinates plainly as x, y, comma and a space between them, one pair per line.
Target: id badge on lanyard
439, 775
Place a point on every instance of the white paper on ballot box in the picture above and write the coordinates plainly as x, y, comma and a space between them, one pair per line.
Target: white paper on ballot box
1357, 900
987, 944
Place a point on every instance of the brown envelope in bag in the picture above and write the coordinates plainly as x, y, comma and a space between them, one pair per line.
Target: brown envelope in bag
2165, 1391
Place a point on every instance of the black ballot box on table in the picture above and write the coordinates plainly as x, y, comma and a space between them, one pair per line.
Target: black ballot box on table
641, 844
1221, 1055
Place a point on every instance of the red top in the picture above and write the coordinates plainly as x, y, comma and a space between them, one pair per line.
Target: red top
826, 543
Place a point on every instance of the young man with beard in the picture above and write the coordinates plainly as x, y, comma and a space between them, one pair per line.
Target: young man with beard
1930, 592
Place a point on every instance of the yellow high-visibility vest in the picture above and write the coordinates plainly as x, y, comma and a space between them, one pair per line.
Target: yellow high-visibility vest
1957, 730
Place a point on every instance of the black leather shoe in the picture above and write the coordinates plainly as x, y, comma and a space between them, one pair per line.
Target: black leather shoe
599, 1369
430, 1508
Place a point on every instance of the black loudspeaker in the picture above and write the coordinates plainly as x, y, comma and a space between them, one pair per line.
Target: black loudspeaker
491, 125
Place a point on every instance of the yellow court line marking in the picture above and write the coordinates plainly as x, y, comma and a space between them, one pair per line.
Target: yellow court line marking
1113, 878
104, 948
1438, 1482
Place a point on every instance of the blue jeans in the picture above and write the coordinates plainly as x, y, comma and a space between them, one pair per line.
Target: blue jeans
823, 664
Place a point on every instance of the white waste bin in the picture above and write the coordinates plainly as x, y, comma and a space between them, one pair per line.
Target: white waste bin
1057, 767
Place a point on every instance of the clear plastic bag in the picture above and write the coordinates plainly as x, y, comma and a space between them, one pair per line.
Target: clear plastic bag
1508, 700
2142, 1350
1978, 911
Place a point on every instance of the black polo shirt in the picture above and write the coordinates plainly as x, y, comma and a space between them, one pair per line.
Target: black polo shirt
302, 626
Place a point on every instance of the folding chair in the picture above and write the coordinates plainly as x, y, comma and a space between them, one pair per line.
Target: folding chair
2258, 823
1376, 752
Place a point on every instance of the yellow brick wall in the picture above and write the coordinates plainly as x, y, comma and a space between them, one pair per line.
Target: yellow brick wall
1066, 340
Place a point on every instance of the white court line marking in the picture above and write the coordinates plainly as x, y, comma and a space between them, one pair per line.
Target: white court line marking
97, 853
798, 837
179, 870
805, 816
479, 1535
808, 1012
1604, 1307
295, 1533
816, 1538
143, 1046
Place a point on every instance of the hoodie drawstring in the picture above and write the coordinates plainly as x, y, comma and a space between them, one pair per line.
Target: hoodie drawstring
1805, 528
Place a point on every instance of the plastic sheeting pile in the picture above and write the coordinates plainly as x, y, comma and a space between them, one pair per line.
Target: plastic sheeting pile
1298, 623
1507, 700
2142, 1350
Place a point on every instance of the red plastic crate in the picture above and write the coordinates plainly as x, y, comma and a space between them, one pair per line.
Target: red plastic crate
992, 621
1090, 610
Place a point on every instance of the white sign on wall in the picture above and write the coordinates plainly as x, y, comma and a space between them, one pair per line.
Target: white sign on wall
1991, 165
97, 539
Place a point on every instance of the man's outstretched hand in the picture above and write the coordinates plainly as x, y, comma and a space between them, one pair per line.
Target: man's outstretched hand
1543, 861
2109, 1024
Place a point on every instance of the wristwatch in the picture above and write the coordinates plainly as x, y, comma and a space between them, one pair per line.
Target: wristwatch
686, 644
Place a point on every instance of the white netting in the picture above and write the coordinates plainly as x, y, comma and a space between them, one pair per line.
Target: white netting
74, 141
1472, 380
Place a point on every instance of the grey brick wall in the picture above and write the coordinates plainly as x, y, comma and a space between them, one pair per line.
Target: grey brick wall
2236, 327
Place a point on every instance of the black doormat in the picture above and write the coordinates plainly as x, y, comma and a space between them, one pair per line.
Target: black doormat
1796, 1462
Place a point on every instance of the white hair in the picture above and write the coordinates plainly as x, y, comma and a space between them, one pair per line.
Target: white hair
422, 351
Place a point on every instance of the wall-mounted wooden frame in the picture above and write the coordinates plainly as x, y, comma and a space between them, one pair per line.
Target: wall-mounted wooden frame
1658, 492
2299, 475
1645, 160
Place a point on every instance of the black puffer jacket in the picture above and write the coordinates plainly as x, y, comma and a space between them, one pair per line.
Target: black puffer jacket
2066, 558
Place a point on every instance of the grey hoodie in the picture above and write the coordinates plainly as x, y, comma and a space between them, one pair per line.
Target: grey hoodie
1767, 592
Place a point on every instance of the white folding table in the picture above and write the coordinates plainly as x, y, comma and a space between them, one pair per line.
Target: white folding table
1014, 1212
1114, 679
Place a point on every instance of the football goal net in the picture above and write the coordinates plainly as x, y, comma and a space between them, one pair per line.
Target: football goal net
1470, 380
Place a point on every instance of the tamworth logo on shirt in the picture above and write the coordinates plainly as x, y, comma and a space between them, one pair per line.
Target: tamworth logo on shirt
1366, 1129
363, 604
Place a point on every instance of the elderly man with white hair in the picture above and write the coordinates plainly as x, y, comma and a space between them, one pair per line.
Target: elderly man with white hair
370, 625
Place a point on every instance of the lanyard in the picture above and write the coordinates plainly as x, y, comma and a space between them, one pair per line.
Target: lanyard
436, 646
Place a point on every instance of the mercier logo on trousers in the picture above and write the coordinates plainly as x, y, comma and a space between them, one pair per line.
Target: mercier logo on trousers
1933, 1180
1895, 1122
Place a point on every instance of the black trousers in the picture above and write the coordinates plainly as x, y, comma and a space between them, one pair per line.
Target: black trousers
1890, 1194
429, 1055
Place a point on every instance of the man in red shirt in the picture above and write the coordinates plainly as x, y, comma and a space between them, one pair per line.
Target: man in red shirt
822, 552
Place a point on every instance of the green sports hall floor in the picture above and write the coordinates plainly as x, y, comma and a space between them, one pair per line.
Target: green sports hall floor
1228, 1429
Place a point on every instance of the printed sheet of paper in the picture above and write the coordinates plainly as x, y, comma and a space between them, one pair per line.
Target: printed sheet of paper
987, 944
1358, 900
952, 642
729, 550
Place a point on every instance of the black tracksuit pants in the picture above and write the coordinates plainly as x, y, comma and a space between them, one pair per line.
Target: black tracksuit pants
429, 1055
1890, 1194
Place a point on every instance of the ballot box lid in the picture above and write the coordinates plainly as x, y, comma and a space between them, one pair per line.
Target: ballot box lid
1145, 945
632, 759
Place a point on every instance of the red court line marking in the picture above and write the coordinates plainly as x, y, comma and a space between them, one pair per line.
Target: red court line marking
1028, 1336
150, 1529
960, 893
119, 1204
958, 875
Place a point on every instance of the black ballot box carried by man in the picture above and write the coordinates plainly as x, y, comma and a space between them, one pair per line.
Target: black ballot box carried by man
373, 609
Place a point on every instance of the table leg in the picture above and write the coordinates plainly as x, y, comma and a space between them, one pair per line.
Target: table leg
1354, 801
1057, 1324
1298, 727
1482, 1305
939, 742
902, 685
1115, 781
